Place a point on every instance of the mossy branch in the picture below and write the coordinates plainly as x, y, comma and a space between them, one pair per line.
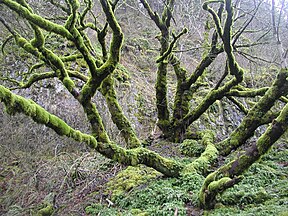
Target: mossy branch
45, 75
117, 36
85, 11
109, 66
245, 92
215, 16
167, 13
205, 63
37, 20
213, 186
63, 59
171, 46
201, 164
17, 104
239, 105
229, 174
254, 117
118, 117
27, 46
210, 98
73, 17
58, 66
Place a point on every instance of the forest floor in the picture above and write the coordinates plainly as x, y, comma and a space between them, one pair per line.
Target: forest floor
77, 183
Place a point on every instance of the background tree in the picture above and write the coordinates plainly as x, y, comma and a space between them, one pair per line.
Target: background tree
89, 58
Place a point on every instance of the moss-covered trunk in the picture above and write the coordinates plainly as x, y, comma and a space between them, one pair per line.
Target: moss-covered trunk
118, 117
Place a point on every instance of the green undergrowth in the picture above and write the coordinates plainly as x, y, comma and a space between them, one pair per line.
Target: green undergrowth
263, 191
162, 196
129, 179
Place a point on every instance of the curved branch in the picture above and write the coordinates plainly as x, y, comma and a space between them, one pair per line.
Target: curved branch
171, 45
255, 116
15, 103
215, 16
201, 164
38, 20
5, 42
229, 174
244, 92
239, 105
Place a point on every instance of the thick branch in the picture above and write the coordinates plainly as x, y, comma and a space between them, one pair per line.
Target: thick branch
210, 154
254, 118
228, 175
15, 103
245, 92
114, 54
118, 117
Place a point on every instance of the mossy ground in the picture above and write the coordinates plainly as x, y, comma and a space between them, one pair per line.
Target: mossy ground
263, 191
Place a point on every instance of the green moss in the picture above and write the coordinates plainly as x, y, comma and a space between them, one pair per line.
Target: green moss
68, 83
47, 211
191, 148
218, 185
39, 39
58, 125
41, 116
22, 42
77, 135
129, 179
202, 163
27, 107
55, 61
75, 4
89, 140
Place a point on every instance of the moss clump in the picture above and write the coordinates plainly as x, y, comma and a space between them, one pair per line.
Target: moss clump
69, 84
217, 185
191, 148
47, 211
130, 178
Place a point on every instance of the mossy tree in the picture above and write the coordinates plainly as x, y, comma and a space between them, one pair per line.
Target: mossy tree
173, 122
